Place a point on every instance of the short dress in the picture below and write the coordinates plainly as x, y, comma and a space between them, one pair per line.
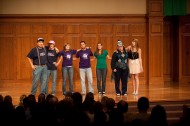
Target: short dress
134, 63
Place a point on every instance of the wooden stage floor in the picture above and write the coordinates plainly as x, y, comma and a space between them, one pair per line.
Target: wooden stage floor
169, 91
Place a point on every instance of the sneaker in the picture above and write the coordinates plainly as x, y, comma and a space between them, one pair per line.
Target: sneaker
125, 94
133, 93
83, 93
99, 92
103, 92
118, 94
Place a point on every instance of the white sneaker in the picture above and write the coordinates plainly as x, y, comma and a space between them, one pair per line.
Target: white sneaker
125, 94
118, 94
83, 93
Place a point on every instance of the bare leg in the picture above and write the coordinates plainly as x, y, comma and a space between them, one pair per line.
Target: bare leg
136, 84
133, 81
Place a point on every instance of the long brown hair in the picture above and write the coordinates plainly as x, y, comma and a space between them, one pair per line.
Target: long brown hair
136, 44
64, 47
97, 50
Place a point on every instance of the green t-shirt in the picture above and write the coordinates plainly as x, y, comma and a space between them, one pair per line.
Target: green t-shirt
101, 59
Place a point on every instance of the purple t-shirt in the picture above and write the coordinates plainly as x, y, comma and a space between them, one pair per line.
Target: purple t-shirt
84, 56
67, 57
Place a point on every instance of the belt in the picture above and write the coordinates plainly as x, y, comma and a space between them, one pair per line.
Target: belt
41, 65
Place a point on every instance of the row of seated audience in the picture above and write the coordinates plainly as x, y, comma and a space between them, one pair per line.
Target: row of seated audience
73, 110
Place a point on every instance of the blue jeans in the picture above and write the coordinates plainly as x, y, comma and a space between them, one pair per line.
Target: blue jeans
83, 73
53, 74
39, 74
101, 79
67, 71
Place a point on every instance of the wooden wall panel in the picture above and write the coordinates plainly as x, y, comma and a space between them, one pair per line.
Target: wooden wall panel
186, 56
8, 62
168, 50
184, 49
155, 7
23, 69
6, 29
155, 52
107, 31
40, 28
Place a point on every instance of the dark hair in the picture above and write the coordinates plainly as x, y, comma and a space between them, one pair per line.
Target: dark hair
143, 104
83, 42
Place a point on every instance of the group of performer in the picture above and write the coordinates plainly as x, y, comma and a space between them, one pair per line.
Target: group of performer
126, 62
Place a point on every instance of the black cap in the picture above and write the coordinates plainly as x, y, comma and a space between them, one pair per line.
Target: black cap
40, 39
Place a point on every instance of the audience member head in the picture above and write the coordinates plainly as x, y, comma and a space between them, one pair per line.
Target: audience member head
158, 116
143, 104
122, 106
41, 98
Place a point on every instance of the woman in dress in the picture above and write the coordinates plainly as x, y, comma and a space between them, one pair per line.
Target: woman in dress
135, 64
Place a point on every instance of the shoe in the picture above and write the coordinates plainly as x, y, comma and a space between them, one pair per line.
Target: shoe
118, 94
134, 93
99, 93
103, 92
53, 94
83, 93
125, 94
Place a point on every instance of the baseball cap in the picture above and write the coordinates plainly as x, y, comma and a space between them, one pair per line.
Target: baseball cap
40, 39
119, 43
52, 42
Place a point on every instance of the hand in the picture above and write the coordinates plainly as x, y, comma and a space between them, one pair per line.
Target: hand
115, 70
92, 59
74, 58
56, 49
56, 64
78, 50
109, 57
33, 67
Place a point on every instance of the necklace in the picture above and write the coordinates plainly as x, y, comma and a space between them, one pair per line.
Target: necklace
133, 55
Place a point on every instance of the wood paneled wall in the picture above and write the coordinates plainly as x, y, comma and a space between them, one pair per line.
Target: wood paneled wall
18, 36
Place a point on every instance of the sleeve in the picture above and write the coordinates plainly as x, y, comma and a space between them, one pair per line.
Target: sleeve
77, 54
31, 54
106, 52
91, 54
113, 60
74, 51
60, 53
95, 54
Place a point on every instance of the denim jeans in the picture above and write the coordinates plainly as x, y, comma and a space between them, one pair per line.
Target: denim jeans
101, 79
39, 74
83, 73
67, 71
53, 74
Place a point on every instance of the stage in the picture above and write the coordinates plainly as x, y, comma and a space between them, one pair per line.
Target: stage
169, 91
